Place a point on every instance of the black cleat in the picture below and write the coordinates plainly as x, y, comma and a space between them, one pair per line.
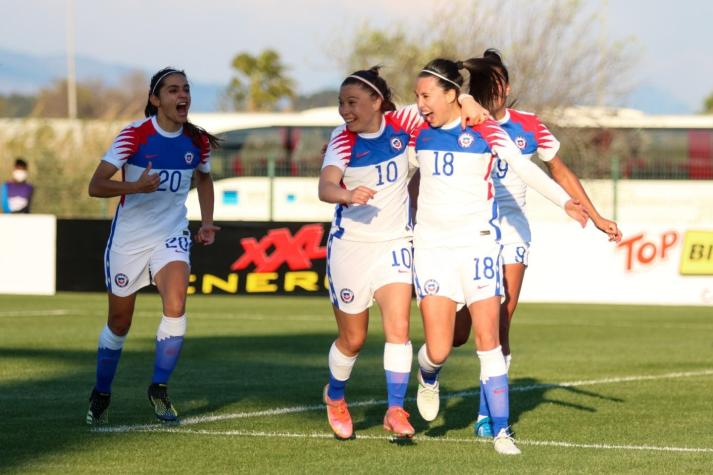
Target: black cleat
98, 412
162, 407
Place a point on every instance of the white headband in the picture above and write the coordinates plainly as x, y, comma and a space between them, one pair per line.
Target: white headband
440, 76
367, 83
167, 73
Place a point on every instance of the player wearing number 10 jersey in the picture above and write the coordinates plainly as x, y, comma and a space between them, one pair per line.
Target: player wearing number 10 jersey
149, 241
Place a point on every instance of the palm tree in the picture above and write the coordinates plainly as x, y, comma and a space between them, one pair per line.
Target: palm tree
259, 81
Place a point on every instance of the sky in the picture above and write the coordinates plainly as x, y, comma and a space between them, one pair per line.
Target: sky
673, 38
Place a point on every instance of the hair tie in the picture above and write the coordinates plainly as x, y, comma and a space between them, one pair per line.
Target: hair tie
428, 71
368, 83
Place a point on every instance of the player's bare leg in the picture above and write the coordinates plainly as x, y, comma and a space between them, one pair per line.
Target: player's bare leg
513, 276
394, 300
111, 341
342, 357
438, 320
493, 372
172, 284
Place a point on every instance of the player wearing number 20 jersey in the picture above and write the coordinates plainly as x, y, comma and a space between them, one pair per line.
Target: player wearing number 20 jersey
143, 220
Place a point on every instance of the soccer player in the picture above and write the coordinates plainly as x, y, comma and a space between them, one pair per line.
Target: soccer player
369, 257
457, 257
531, 136
149, 242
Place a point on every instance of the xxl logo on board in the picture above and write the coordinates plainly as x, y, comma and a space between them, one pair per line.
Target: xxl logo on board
296, 251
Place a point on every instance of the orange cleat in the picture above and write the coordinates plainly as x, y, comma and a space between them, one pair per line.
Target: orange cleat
396, 422
338, 416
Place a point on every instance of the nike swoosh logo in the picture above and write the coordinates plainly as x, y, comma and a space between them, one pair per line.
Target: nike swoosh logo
362, 154
152, 156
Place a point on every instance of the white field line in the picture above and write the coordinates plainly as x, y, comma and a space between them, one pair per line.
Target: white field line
423, 438
37, 313
373, 402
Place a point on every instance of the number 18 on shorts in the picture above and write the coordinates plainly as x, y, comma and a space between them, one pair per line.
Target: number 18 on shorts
463, 274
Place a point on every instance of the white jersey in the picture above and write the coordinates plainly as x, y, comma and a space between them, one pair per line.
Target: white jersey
143, 220
456, 199
531, 136
378, 161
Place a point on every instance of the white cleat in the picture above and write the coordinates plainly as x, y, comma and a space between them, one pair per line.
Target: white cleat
427, 399
505, 444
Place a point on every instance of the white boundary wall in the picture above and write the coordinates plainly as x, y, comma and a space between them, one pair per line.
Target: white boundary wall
27, 254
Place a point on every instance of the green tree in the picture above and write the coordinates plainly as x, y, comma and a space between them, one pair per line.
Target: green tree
555, 50
260, 82
708, 104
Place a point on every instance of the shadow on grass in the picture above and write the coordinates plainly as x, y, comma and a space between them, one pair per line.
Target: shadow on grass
526, 394
41, 416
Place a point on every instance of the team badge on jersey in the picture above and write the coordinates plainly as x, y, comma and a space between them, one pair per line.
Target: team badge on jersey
189, 157
121, 280
521, 142
431, 287
465, 140
397, 144
346, 295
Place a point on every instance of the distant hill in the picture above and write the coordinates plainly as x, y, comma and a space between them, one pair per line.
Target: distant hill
26, 73
654, 100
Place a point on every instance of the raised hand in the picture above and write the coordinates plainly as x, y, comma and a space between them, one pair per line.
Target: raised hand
147, 183
576, 211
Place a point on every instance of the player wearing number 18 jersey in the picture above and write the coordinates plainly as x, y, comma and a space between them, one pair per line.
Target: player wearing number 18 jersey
149, 240
451, 267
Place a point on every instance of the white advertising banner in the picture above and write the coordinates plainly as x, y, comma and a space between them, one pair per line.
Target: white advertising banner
27, 254
653, 264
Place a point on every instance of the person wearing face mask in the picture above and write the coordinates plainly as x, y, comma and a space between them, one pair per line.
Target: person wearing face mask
17, 192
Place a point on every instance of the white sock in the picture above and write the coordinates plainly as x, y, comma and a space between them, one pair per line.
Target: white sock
171, 326
425, 363
492, 363
340, 365
398, 357
110, 341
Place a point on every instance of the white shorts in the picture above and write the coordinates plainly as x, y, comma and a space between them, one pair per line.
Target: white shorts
125, 274
356, 270
462, 274
516, 253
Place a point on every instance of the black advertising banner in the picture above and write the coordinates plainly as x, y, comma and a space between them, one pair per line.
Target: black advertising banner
246, 258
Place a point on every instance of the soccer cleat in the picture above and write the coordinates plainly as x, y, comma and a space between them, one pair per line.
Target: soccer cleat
98, 412
484, 428
505, 444
338, 416
162, 407
427, 399
396, 422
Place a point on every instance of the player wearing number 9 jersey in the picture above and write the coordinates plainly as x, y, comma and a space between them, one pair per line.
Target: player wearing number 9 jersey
455, 203
532, 137
149, 241
369, 255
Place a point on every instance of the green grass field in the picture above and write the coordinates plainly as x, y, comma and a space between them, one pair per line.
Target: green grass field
605, 389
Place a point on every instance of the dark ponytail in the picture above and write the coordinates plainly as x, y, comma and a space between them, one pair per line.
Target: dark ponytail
370, 81
486, 81
197, 134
